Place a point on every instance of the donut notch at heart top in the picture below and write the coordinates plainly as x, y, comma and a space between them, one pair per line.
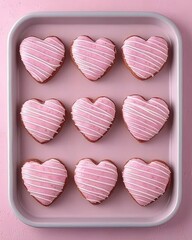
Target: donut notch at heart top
42, 57
143, 118
93, 58
43, 119
95, 181
44, 181
143, 57
93, 118
146, 181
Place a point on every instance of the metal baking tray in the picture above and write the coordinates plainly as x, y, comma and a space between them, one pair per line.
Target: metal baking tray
71, 209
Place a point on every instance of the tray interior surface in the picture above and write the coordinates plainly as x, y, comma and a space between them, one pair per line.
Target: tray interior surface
117, 145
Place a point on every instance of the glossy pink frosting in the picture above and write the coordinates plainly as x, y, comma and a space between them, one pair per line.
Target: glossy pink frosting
42, 57
144, 119
95, 181
44, 181
145, 58
93, 119
146, 182
43, 119
93, 58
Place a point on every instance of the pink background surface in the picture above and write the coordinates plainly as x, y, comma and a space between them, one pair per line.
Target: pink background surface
177, 228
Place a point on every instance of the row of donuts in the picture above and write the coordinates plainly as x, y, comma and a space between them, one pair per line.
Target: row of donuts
43, 57
144, 181
93, 118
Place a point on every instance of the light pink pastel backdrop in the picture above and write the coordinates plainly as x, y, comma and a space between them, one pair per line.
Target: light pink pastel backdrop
177, 228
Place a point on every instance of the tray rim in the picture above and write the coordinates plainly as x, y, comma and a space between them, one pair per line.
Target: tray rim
115, 14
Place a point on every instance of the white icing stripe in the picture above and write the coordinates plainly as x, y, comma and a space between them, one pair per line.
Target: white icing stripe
38, 125
82, 119
148, 46
53, 167
146, 188
58, 43
88, 64
47, 106
92, 50
147, 126
44, 113
94, 131
134, 168
43, 194
148, 183
88, 57
141, 176
44, 54
91, 185
137, 57
47, 49
43, 187
38, 197
37, 69
50, 45
45, 172
56, 104
131, 110
85, 67
96, 194
132, 126
158, 42
102, 103
142, 192
165, 47
48, 64
104, 112
26, 110
150, 166
146, 109
100, 168
145, 65
112, 166
92, 174
162, 166
144, 54
32, 116
139, 69
40, 179
38, 132
150, 104
79, 108
93, 180
144, 51
100, 45
146, 197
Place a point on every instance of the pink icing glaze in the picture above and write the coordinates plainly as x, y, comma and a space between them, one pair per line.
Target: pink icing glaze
95, 181
146, 182
145, 58
44, 181
42, 57
144, 119
93, 58
93, 119
43, 119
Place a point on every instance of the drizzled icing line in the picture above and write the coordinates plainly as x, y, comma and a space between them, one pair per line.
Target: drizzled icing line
93, 119
93, 58
146, 182
43, 120
144, 119
44, 181
42, 57
145, 58
95, 181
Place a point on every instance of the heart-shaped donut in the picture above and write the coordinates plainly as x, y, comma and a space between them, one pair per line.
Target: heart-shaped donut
145, 58
44, 181
42, 57
144, 119
43, 119
146, 181
95, 181
93, 118
93, 58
